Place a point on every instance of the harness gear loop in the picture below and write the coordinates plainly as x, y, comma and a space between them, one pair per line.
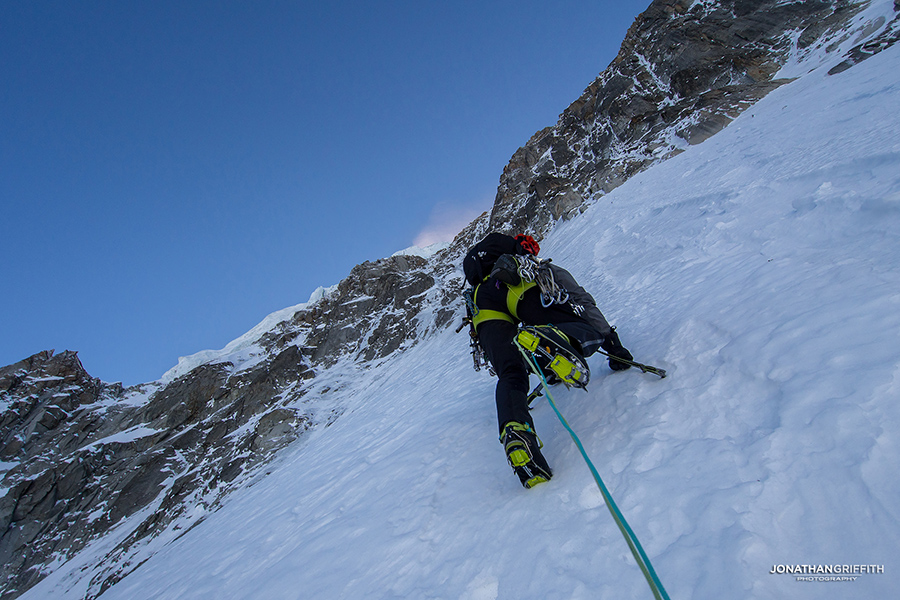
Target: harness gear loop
531, 268
551, 292
472, 312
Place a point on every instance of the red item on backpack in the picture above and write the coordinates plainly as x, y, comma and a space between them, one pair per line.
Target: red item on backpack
527, 242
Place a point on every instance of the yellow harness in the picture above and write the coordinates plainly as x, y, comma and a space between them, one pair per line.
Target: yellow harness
514, 294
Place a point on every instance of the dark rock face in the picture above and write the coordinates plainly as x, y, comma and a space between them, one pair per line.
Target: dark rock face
684, 71
79, 456
371, 312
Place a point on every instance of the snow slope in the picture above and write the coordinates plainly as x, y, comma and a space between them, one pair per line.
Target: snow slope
761, 269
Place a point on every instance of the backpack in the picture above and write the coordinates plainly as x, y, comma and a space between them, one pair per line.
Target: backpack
479, 262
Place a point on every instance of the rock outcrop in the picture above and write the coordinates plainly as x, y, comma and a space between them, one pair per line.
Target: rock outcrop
685, 70
80, 456
85, 462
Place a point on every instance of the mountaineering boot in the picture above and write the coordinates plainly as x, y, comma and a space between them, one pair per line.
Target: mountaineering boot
523, 452
555, 356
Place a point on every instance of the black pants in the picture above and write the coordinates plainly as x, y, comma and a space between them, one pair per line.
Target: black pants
496, 339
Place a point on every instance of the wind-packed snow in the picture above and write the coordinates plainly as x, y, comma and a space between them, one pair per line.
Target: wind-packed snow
426, 252
761, 269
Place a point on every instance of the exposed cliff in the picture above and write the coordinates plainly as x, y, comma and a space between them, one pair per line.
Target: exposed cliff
685, 70
86, 462
81, 456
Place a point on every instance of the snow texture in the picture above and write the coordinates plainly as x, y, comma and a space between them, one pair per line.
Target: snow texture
426, 252
761, 269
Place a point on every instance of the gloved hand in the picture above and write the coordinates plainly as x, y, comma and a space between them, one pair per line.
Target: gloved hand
614, 348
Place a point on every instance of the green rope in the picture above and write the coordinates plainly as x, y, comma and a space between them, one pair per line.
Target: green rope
640, 556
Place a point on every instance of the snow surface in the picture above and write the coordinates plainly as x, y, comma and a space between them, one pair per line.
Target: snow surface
123, 437
426, 252
761, 269
861, 28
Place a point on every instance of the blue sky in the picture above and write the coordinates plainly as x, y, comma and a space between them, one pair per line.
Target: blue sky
172, 172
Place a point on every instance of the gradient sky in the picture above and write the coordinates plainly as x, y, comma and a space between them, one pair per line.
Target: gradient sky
173, 171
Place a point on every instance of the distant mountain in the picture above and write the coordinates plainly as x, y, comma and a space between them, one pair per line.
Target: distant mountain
127, 470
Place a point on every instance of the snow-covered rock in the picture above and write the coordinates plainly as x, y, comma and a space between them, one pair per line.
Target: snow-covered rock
344, 446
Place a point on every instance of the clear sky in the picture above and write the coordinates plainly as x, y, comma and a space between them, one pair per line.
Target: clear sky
173, 171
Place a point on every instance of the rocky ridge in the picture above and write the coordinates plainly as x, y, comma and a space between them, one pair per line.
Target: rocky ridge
685, 70
87, 462
81, 457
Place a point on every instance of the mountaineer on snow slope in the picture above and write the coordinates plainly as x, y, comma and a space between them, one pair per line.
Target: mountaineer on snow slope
518, 303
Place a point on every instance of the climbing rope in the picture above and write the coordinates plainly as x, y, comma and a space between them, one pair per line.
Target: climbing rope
637, 550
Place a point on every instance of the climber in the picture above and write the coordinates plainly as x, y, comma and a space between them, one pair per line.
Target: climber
501, 300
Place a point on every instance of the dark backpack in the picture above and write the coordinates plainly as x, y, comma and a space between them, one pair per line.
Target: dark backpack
480, 260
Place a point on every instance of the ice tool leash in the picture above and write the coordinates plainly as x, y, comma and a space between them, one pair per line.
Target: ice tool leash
656, 586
